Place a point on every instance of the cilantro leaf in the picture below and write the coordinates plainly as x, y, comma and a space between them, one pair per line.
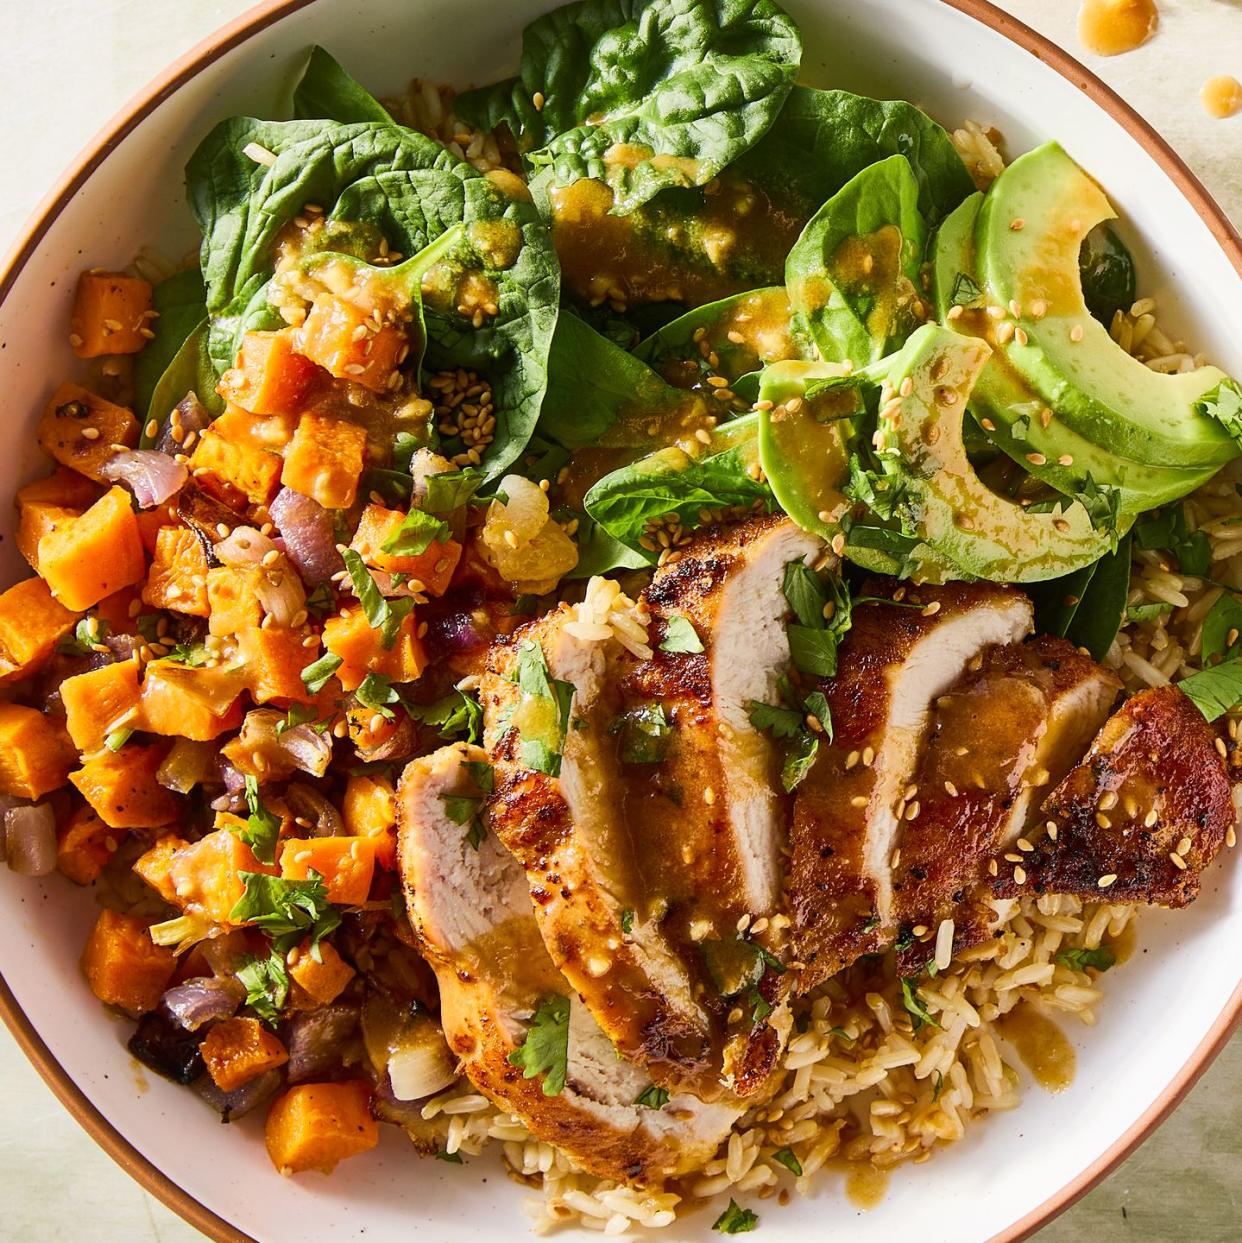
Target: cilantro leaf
1101, 958
780, 722
287, 910
193, 655
786, 1157
1224, 404
1168, 530
322, 600
817, 705
453, 714
914, 1007
542, 746
805, 593
86, 634
652, 1097
545, 1050
482, 774
735, 1220
799, 759
382, 614
1224, 620
645, 734
262, 827
627, 920
1146, 612
450, 1158
462, 809
760, 1006
267, 984
299, 714
376, 692
680, 636
813, 651
317, 674
418, 531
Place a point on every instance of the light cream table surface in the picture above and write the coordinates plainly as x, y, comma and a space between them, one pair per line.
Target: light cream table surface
65, 66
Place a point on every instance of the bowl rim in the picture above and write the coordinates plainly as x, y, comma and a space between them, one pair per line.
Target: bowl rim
236, 32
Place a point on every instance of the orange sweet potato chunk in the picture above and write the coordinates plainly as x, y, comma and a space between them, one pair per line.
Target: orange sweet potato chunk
346, 343
238, 1050
345, 863
155, 865
315, 1125
268, 378
206, 875
63, 487
84, 846
94, 555
433, 567
370, 810
123, 790
232, 457
31, 623
36, 519
350, 637
324, 460
273, 660
177, 578
110, 313
123, 966
80, 429
100, 701
35, 753
323, 980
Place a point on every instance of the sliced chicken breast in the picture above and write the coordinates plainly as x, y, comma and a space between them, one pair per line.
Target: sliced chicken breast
1140, 817
901, 654
569, 833
1001, 737
471, 912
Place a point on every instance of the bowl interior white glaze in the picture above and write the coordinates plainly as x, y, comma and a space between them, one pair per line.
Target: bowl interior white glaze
1159, 1007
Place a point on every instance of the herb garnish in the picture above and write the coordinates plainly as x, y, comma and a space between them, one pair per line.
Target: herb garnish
545, 1051
735, 1220
262, 827
1101, 958
645, 734
317, 674
541, 715
287, 910
814, 638
914, 1007
786, 1157
452, 714
418, 531
377, 692
382, 614
789, 722
680, 636
652, 1097
267, 984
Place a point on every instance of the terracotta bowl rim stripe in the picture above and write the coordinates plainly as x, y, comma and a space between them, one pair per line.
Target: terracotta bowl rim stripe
238, 31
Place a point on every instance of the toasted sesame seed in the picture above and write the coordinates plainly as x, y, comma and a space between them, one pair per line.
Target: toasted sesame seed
1019, 876
1017, 224
1108, 800
1102, 820
1076, 333
90, 433
1221, 748
859, 800
1231, 837
1052, 831
932, 609
852, 759
868, 756
1106, 881
709, 795
1177, 861
1036, 459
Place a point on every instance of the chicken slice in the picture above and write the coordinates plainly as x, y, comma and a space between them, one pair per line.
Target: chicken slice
569, 834
1005, 733
472, 914
1141, 816
900, 655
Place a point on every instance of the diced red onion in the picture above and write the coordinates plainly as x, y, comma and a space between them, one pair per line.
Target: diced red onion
457, 632
239, 1102
30, 839
314, 1040
188, 764
152, 477
123, 646
191, 417
234, 782
203, 1000
281, 593
318, 812
311, 751
243, 546
309, 535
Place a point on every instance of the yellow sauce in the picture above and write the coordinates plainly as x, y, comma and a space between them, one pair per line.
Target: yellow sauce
1041, 1046
865, 1185
1111, 27
1124, 945
1222, 97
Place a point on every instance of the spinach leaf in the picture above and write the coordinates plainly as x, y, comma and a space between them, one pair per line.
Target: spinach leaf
191, 371
1107, 270
644, 94
181, 301
599, 553
410, 190
854, 272
1217, 690
1223, 620
326, 90
1168, 530
628, 501
1088, 606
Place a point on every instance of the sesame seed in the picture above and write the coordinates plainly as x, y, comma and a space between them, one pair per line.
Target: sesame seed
1020, 336
1076, 333
1052, 831
1231, 837
1108, 800
932, 609
1106, 881
868, 756
538, 101
1177, 861
1019, 876
709, 795
838, 544
1102, 820
1066, 459
859, 800
1184, 846
852, 759
1024, 844
1036, 459
1017, 224
1221, 748
90, 433
993, 867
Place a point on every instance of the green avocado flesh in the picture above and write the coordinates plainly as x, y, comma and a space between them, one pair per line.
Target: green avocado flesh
943, 502
1028, 237
1015, 415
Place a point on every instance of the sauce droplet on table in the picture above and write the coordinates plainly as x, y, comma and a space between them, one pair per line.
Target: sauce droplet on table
1110, 27
1222, 97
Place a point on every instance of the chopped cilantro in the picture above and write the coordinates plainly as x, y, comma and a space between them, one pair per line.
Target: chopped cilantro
1224, 404
914, 1007
461, 809
86, 634
287, 910
316, 675
1146, 612
735, 1220
680, 636
541, 745
780, 722
452, 714
262, 828
450, 1158
382, 614
1217, 690
1221, 628
545, 1050
760, 1006
376, 692
1167, 530
451, 490
322, 600
814, 637
799, 759
786, 1157
267, 984
627, 920
192, 654
645, 734
299, 714
1101, 958
418, 531
652, 1097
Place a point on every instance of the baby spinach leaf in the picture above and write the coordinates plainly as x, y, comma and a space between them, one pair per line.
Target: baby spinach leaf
410, 190
325, 90
1108, 277
181, 301
1224, 619
1088, 606
599, 553
644, 94
1217, 690
854, 272
191, 371
627, 501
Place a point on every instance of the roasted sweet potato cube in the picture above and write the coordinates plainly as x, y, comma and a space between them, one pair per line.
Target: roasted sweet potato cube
324, 460
346, 864
199, 704
231, 458
35, 752
273, 660
155, 865
79, 430
177, 578
36, 519
123, 790
233, 600
370, 811
31, 622
316, 1125
95, 554
238, 1050
323, 979
110, 313
345, 342
350, 637
433, 567
206, 876
268, 378
84, 846
100, 701
63, 487
123, 966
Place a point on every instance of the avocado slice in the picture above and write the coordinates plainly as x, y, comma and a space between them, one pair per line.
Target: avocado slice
1013, 414
1028, 237
942, 500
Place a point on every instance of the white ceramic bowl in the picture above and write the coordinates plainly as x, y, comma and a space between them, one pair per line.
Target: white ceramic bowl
1165, 1012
